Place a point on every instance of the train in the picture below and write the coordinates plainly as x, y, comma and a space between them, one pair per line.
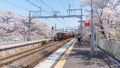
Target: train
64, 35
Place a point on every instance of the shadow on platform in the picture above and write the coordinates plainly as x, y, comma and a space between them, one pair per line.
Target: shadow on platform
80, 55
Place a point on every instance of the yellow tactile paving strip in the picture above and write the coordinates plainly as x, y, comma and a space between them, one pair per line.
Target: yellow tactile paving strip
62, 60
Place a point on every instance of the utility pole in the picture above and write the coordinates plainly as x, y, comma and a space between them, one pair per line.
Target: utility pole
29, 26
69, 8
92, 31
30, 23
81, 24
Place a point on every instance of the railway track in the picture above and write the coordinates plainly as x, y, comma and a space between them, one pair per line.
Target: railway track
9, 59
48, 52
30, 58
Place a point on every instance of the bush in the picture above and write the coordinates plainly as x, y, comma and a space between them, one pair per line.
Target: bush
43, 42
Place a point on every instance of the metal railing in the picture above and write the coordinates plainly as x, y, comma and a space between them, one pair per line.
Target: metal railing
110, 46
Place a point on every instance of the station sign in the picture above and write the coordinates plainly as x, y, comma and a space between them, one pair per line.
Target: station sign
87, 24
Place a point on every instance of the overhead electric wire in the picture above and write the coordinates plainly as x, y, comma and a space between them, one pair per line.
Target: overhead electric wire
62, 4
66, 22
33, 4
41, 3
16, 5
37, 6
46, 4
73, 4
51, 9
64, 8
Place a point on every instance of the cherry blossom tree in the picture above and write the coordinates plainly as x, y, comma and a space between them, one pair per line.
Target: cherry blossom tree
106, 16
15, 27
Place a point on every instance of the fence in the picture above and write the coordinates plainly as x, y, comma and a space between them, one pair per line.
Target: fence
112, 47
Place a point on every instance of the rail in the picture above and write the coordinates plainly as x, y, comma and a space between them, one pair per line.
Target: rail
34, 55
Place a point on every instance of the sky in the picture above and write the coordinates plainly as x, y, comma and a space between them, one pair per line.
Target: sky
22, 7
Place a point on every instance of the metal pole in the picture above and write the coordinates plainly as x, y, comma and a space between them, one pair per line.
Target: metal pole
29, 26
81, 24
92, 31
69, 8
40, 10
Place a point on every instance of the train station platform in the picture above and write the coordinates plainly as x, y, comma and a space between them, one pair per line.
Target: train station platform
72, 55
79, 57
